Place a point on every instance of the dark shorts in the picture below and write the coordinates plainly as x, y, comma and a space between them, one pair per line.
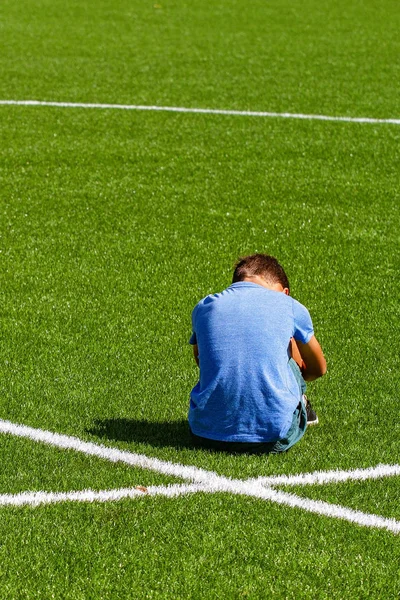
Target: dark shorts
295, 433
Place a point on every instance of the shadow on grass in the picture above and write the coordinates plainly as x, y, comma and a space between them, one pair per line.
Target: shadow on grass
170, 433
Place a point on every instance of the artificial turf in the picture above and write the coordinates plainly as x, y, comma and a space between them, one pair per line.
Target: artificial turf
114, 224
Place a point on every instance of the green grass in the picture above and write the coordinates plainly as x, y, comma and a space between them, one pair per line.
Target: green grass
29, 466
373, 496
202, 547
281, 55
114, 224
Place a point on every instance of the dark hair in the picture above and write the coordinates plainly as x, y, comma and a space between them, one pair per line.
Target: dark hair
262, 265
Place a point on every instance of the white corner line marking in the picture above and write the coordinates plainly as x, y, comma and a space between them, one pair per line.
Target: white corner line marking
41, 498
237, 487
322, 478
207, 111
67, 442
204, 481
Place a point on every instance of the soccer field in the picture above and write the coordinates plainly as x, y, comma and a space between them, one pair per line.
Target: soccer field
145, 146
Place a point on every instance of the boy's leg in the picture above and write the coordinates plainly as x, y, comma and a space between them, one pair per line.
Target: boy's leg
296, 431
312, 418
296, 370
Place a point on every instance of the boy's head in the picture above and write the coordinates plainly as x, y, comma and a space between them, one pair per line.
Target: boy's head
261, 266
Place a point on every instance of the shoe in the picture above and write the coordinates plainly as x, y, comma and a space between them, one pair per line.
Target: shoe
312, 418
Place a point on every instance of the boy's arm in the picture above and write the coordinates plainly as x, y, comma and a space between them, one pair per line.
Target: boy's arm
196, 354
312, 355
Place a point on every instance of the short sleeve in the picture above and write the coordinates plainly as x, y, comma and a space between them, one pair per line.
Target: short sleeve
303, 327
193, 339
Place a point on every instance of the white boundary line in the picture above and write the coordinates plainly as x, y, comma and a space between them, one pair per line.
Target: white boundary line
322, 478
40, 498
207, 111
239, 488
111, 454
204, 481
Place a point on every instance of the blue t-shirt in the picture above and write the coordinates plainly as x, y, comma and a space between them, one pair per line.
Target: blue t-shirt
247, 391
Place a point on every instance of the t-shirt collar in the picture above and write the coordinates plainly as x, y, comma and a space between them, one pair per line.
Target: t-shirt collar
240, 284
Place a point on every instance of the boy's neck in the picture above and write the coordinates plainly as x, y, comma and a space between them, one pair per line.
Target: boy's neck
276, 287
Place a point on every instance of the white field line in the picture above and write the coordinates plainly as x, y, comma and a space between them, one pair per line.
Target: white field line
206, 481
207, 111
111, 454
39, 498
328, 510
322, 478
238, 487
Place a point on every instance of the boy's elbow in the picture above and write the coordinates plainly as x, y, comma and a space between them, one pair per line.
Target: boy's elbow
316, 372
323, 368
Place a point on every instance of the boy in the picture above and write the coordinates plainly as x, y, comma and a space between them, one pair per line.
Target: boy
255, 347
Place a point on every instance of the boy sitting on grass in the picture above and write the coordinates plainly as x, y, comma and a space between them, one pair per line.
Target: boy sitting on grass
255, 347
